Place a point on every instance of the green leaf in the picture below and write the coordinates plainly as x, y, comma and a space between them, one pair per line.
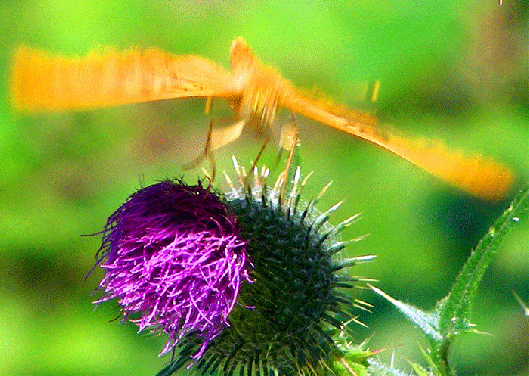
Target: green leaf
378, 369
419, 370
344, 367
454, 309
433, 369
166, 371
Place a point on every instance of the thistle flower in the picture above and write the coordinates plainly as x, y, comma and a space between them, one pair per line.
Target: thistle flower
281, 323
172, 253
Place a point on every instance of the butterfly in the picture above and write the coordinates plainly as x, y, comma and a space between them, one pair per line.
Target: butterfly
45, 82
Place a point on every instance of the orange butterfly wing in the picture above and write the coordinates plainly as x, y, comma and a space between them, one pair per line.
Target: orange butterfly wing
43, 82
481, 177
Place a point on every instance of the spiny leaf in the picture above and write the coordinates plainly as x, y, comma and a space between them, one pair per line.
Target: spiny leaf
454, 309
427, 322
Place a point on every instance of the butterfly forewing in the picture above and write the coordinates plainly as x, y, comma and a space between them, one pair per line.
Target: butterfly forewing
42, 82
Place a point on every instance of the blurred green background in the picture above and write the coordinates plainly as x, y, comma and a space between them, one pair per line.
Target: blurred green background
455, 70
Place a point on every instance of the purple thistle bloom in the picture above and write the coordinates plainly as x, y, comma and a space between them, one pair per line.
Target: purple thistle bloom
172, 254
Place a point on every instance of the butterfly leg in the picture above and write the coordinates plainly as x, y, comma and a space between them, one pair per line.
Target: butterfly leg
289, 141
216, 139
251, 173
207, 153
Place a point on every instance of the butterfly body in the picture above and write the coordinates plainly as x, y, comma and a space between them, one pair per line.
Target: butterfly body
261, 89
